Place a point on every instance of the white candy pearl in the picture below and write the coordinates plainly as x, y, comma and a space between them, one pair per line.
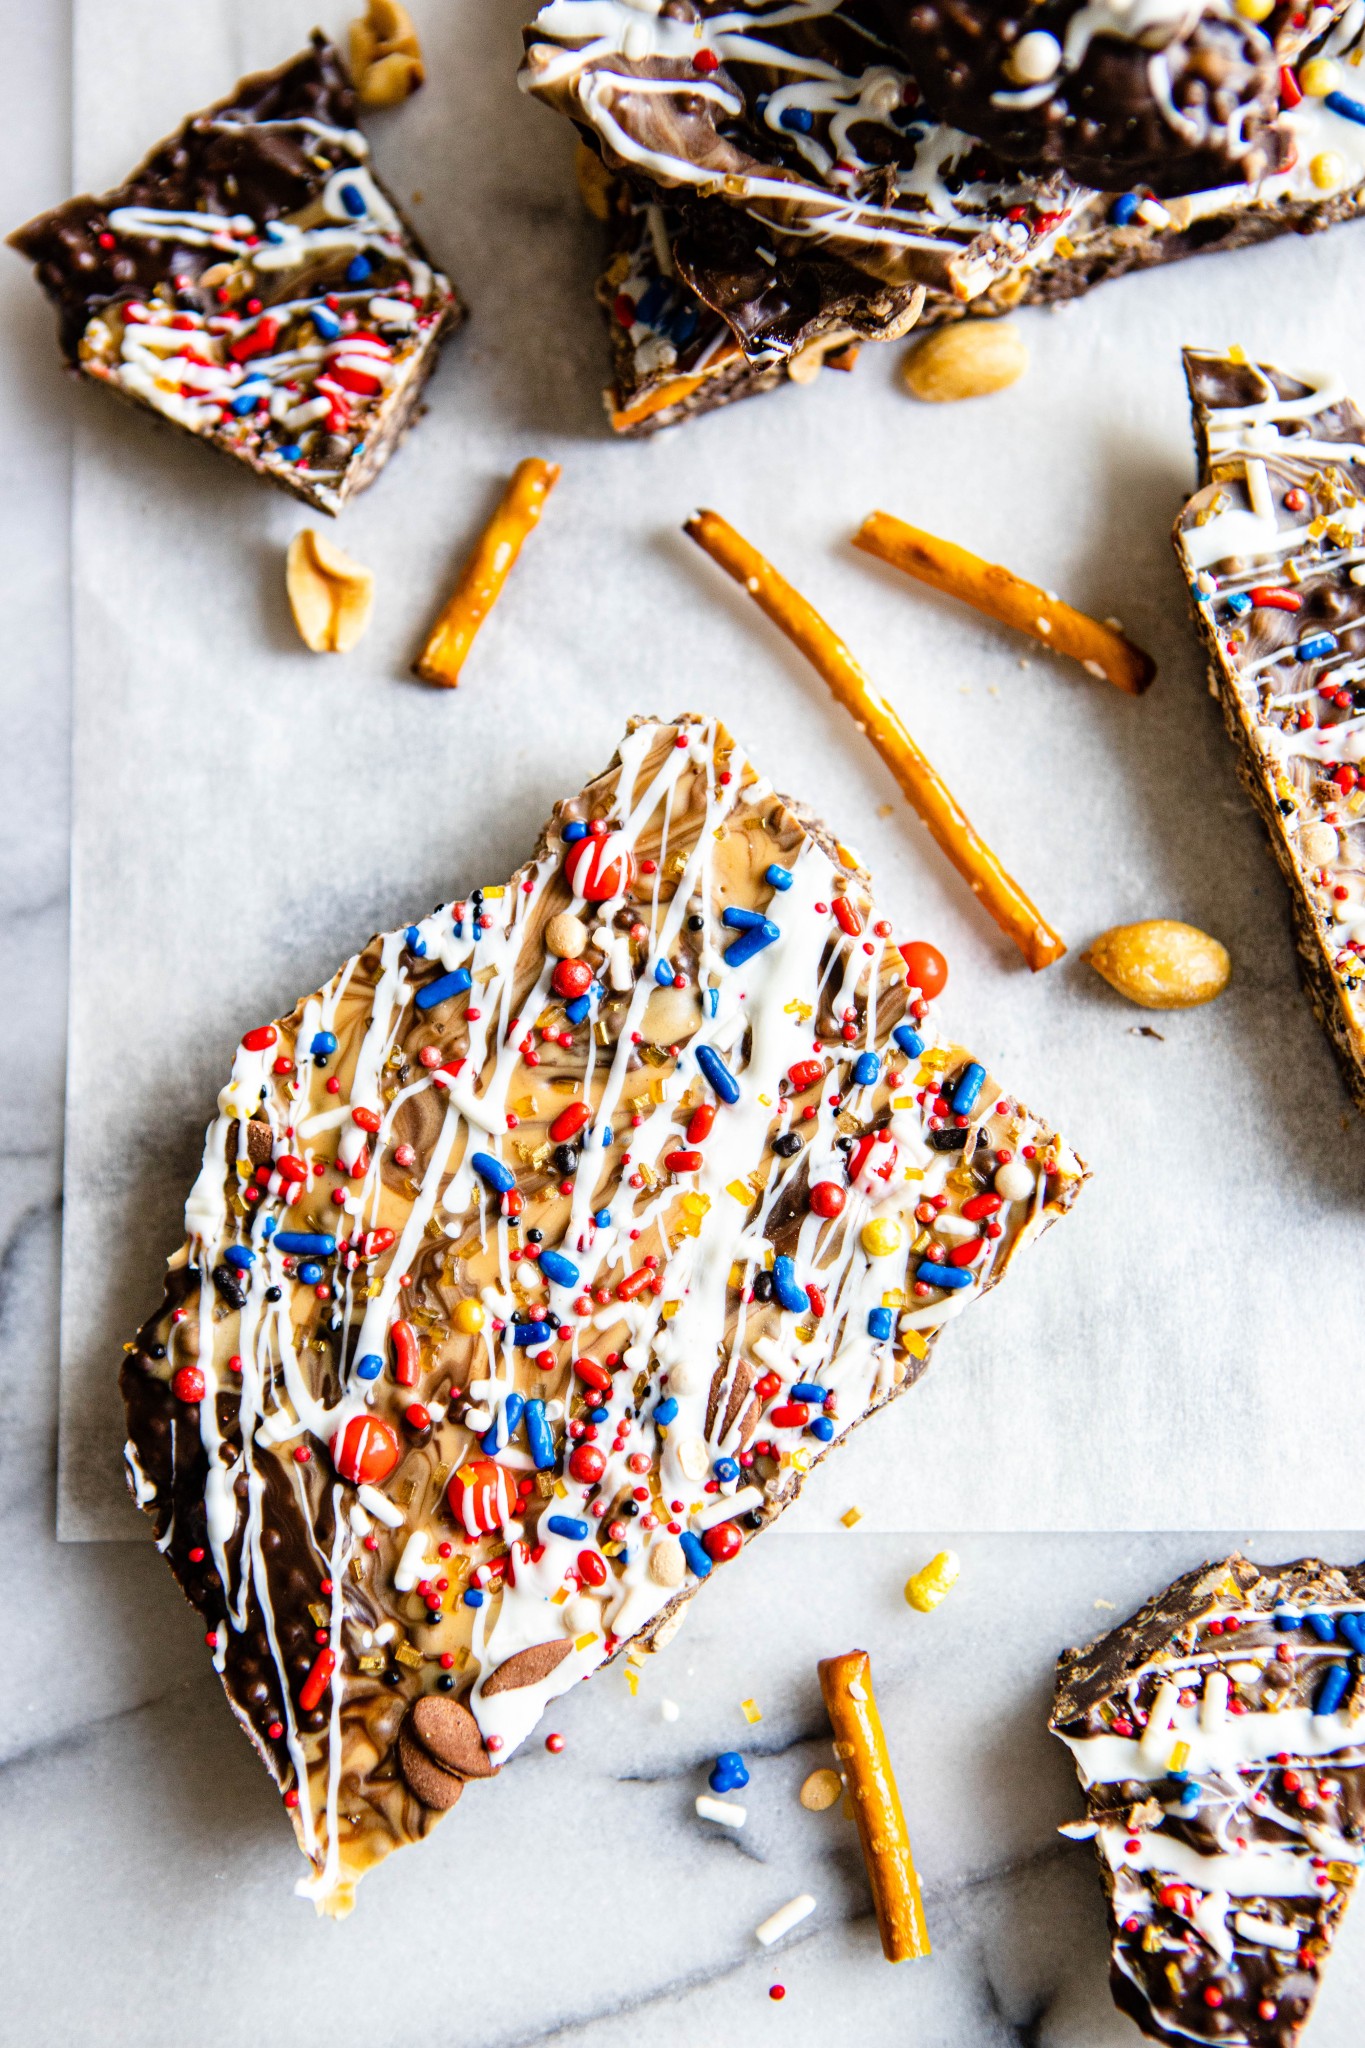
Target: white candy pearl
1014, 1181
1034, 57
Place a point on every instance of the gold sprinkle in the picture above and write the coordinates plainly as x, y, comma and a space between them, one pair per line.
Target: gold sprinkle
370, 1662
585, 1642
406, 1654
321, 1613
851, 1517
751, 1711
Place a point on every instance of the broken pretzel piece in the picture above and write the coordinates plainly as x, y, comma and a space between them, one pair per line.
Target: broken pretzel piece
1101, 650
330, 596
484, 574
386, 57
860, 1746
925, 789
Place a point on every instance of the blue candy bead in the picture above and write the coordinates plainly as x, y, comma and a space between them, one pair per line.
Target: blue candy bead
370, 1366
1313, 646
539, 1437
473, 1598
725, 1469
1324, 1626
866, 1068
578, 1009
444, 987
1351, 1629
245, 401
777, 877
749, 942
800, 120
1123, 212
717, 1073
357, 270
791, 1295
1336, 1683
573, 832
310, 1273
880, 1324
303, 1244
729, 1772
324, 1045
737, 920
1238, 603
663, 973
909, 1041
353, 199
823, 1428
556, 1267
602, 1218
500, 1434
967, 1088
712, 1001
809, 1392
291, 451
240, 1255
326, 323
568, 1525
1349, 109
697, 1561
492, 1171
666, 1412
273, 232
1286, 1620
942, 1276
527, 1335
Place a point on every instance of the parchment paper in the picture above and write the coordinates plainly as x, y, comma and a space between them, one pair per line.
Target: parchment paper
1186, 1350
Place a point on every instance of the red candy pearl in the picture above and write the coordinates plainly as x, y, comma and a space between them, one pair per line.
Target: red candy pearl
827, 1198
723, 1542
587, 1464
188, 1384
572, 978
925, 968
554, 1743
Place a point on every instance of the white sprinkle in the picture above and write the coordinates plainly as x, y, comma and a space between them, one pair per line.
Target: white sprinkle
1265, 1933
380, 1507
784, 1919
669, 1710
723, 1811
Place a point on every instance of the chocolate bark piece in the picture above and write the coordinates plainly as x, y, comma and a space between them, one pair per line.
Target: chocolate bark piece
1219, 1736
253, 283
1270, 546
451, 1408
1180, 98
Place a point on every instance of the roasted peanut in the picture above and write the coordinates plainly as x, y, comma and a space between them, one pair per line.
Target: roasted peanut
1161, 964
386, 57
330, 596
966, 360
821, 1791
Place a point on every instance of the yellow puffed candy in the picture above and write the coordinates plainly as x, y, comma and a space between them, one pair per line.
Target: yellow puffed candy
927, 1588
1255, 10
1327, 170
470, 1316
1318, 77
881, 1234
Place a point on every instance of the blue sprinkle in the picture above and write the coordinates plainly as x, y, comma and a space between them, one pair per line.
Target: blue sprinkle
269, 1227
737, 920
777, 877
1313, 646
800, 120
697, 1561
526, 1335
273, 232
444, 987
1286, 1620
791, 1295
326, 322
1238, 603
240, 1255
1189, 1797
594, 1414
728, 1773
370, 1366
539, 1437
750, 942
666, 1412
1324, 1626
725, 1469
712, 1001
1350, 110
967, 1088
881, 1322
556, 1267
310, 1272
604, 1138
1336, 1683
1123, 212
568, 1525
823, 1428
305, 1244
324, 1045
810, 1392
651, 305
473, 1598
291, 451
866, 1068
684, 324
717, 1073
602, 1218
578, 1009
353, 199
663, 973
909, 1041
244, 402
496, 1438
357, 270
573, 832
499, 1177
415, 942
1351, 1629
943, 1276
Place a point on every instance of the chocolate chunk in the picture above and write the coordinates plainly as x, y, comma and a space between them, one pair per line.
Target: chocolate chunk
527, 1667
446, 1728
424, 1777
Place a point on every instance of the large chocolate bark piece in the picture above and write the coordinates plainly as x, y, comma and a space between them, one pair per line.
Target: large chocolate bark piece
1179, 97
253, 283
1271, 546
1219, 1735
533, 1263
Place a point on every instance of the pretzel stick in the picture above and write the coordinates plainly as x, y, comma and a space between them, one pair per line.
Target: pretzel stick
484, 574
928, 794
860, 1746
1100, 649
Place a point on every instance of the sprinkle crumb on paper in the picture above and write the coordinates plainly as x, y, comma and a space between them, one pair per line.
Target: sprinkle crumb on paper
851, 1517
1106, 1604
751, 1711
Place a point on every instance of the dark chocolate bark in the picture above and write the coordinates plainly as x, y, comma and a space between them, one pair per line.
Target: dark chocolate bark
255, 284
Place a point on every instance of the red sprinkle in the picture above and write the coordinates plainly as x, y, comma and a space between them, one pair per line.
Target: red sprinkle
318, 1679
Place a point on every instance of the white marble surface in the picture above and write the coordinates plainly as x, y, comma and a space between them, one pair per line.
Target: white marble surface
145, 1871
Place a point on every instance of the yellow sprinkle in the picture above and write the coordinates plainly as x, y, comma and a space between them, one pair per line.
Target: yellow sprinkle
1065, 246
904, 1102
851, 1517
751, 1711
558, 1599
696, 1204
561, 1490
1255, 10
1318, 77
927, 1588
1236, 353
1180, 1756
914, 1343
766, 1100
585, 1642
894, 1297
669, 1310
741, 1191
1327, 170
880, 1236
801, 1011
801, 1460
500, 890
632, 1680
